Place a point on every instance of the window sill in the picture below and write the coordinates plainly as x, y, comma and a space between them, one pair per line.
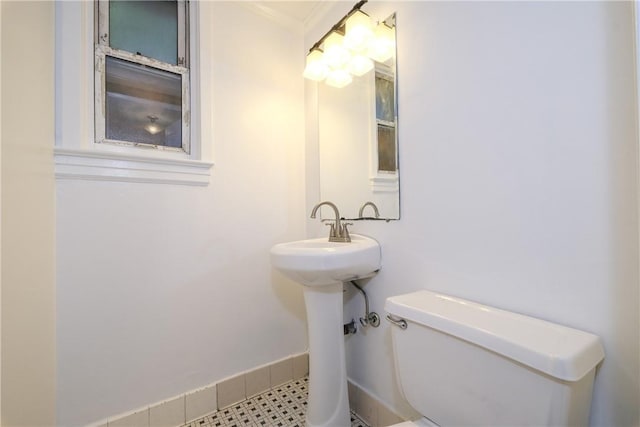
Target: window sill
110, 166
384, 184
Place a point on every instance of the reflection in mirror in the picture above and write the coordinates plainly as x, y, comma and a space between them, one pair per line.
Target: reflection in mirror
358, 143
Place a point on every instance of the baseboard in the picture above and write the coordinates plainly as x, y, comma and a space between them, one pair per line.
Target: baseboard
371, 409
194, 404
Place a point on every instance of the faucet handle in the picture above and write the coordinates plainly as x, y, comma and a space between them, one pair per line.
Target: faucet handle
332, 230
345, 230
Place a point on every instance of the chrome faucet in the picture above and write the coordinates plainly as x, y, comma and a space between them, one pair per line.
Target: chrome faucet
338, 231
373, 205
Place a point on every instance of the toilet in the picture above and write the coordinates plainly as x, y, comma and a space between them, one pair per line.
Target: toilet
461, 363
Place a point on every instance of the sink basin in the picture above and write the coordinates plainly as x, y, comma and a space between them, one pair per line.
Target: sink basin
318, 262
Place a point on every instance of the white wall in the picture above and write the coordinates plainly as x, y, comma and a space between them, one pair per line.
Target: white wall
28, 209
518, 171
162, 289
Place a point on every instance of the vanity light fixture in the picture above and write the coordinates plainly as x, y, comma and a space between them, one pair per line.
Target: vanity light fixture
349, 48
316, 68
358, 31
338, 77
360, 65
336, 55
383, 44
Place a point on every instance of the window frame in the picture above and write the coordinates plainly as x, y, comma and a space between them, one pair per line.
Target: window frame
103, 49
77, 156
382, 181
383, 72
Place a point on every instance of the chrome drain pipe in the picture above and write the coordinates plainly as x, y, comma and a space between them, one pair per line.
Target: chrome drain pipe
372, 318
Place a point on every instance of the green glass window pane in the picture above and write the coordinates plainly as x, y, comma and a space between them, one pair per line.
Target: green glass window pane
143, 104
385, 99
387, 149
149, 28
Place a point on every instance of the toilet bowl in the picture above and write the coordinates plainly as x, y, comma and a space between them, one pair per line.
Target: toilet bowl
462, 363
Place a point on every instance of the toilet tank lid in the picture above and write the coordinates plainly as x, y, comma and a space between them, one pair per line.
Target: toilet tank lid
562, 352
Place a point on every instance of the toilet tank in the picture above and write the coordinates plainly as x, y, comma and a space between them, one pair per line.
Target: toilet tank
463, 363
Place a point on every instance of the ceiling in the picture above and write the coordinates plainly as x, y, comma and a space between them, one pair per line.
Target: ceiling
298, 10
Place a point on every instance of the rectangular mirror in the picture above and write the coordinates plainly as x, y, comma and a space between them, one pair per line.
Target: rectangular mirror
358, 141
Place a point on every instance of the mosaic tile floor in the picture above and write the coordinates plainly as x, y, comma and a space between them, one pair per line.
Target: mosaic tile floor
283, 406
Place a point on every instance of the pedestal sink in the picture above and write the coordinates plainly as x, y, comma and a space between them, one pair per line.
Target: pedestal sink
321, 267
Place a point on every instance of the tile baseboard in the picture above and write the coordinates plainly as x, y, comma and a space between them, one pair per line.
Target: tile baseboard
371, 409
194, 404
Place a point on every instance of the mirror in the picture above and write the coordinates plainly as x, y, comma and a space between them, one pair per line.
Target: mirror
358, 142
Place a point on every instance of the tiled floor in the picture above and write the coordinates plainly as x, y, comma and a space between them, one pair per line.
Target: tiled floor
283, 406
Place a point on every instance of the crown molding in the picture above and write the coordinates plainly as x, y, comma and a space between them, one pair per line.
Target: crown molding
318, 13
262, 9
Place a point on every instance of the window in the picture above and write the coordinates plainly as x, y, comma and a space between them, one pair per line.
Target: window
142, 77
141, 145
383, 163
386, 121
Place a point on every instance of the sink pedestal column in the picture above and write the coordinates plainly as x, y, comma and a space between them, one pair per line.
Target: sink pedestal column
328, 404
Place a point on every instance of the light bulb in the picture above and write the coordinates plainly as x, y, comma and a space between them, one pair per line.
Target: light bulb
359, 31
335, 54
360, 65
338, 78
153, 127
382, 46
316, 69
